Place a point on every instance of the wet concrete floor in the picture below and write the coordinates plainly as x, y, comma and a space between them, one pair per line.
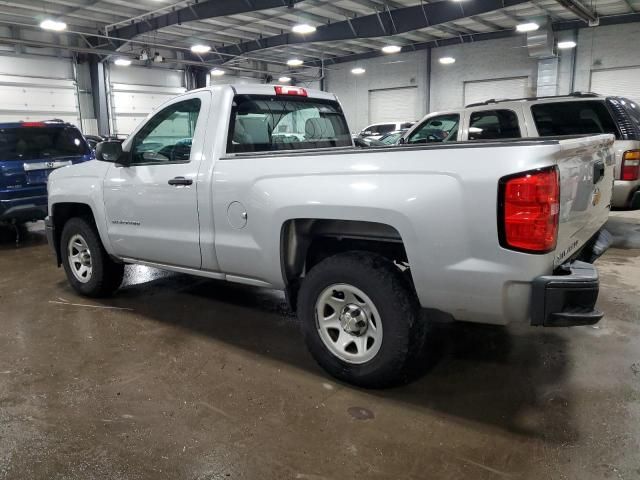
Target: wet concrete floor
184, 378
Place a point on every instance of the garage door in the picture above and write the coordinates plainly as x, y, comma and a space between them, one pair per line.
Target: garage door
136, 92
480, 91
34, 98
393, 104
624, 82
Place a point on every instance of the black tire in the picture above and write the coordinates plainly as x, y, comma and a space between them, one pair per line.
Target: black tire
106, 276
403, 328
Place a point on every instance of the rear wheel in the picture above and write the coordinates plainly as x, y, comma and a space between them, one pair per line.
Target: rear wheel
89, 269
360, 319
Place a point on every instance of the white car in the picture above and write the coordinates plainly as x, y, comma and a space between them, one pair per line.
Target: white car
377, 130
576, 114
359, 239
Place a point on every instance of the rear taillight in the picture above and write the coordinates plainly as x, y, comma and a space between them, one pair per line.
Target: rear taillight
529, 210
630, 165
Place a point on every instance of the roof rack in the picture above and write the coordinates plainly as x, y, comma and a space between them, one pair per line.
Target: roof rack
574, 95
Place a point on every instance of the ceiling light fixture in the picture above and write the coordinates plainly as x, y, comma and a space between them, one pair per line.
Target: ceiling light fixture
200, 48
358, 71
391, 49
284, 79
527, 27
566, 45
303, 28
53, 25
294, 62
122, 62
217, 72
447, 60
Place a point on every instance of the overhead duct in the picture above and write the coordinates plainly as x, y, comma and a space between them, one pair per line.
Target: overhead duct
581, 11
540, 42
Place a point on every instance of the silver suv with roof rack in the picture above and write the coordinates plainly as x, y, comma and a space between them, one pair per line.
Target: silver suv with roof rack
574, 114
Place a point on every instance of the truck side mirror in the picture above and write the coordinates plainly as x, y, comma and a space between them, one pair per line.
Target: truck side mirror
111, 151
402, 141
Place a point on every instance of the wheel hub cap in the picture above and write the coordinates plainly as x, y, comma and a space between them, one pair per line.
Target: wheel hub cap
353, 320
348, 323
80, 259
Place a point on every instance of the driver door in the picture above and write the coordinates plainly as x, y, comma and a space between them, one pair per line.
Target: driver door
151, 204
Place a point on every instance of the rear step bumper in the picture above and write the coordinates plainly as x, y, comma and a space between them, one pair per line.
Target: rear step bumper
568, 298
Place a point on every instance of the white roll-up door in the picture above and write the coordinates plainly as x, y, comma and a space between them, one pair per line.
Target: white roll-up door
501, 88
623, 82
27, 95
393, 105
135, 92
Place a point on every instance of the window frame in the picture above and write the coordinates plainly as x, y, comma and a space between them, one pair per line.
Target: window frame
231, 127
137, 134
600, 101
419, 126
484, 110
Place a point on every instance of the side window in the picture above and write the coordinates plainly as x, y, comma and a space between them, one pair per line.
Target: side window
443, 128
493, 124
407, 125
572, 118
167, 137
386, 128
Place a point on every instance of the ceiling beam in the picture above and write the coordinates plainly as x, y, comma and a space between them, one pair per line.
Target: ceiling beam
580, 10
198, 11
476, 37
381, 24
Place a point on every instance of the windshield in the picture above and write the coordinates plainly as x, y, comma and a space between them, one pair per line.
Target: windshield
266, 123
41, 142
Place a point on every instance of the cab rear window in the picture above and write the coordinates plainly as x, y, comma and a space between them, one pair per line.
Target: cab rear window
41, 142
573, 118
265, 123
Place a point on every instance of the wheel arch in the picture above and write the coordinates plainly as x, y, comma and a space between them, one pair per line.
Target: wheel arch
61, 213
304, 242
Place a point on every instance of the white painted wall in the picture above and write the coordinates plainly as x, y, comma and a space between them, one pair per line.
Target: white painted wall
608, 47
403, 70
487, 60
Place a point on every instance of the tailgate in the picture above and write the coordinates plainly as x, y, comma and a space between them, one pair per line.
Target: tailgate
586, 168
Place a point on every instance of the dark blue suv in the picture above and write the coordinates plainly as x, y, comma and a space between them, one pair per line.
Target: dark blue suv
29, 151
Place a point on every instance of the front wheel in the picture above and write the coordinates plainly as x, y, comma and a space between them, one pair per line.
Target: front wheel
360, 319
89, 269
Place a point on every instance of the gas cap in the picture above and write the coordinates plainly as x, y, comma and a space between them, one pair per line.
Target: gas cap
237, 215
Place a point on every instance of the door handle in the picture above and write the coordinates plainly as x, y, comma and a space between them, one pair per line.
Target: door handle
180, 181
598, 171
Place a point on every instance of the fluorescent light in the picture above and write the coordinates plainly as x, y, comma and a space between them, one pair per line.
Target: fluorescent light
217, 72
358, 71
447, 60
122, 62
284, 79
200, 48
391, 49
53, 25
303, 28
294, 62
566, 45
527, 27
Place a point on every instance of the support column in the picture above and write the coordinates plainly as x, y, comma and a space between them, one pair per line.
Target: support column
99, 91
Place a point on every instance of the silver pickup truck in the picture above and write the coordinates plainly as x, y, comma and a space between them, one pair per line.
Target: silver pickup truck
261, 185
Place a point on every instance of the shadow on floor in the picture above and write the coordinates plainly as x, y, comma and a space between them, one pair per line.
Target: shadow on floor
488, 375
31, 234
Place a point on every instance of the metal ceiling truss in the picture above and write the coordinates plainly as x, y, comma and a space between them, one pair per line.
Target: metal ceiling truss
198, 11
379, 24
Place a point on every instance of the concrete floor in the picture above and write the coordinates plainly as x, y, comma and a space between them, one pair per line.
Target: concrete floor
179, 377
